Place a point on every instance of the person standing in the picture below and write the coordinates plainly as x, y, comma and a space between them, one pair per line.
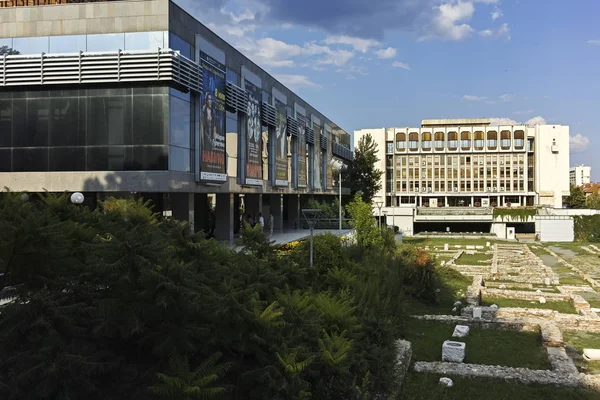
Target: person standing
261, 221
271, 224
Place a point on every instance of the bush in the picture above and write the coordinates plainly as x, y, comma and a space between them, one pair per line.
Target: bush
421, 275
587, 228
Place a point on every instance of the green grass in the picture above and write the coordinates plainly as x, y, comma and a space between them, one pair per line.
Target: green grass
571, 278
505, 348
539, 251
562, 307
419, 386
474, 259
576, 342
452, 281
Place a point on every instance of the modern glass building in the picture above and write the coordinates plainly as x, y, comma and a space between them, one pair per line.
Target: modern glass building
138, 96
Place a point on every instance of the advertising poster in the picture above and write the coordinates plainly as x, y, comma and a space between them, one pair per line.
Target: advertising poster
302, 166
329, 160
317, 165
212, 125
253, 136
281, 161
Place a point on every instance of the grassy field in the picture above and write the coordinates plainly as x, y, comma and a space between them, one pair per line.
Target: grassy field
562, 307
452, 282
505, 348
576, 342
474, 259
425, 387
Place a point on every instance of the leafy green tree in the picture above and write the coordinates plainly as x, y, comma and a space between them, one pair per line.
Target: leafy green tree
364, 177
577, 197
593, 201
368, 234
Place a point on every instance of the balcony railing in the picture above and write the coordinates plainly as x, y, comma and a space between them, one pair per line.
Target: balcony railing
447, 211
100, 68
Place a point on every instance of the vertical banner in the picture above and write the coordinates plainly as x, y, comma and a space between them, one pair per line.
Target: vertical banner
281, 161
317, 165
302, 166
329, 161
253, 136
212, 138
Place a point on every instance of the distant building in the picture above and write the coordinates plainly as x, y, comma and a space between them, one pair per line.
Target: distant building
580, 175
591, 188
468, 163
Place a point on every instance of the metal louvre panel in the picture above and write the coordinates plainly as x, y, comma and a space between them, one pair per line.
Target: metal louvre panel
100, 67
292, 127
336, 150
237, 98
310, 135
268, 115
324, 142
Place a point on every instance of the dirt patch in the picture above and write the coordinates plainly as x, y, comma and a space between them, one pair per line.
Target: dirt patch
563, 252
549, 261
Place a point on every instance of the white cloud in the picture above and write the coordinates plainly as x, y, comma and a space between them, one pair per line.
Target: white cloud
497, 13
362, 45
502, 32
297, 81
536, 121
503, 121
335, 57
579, 143
473, 98
449, 23
398, 64
594, 41
390, 52
506, 97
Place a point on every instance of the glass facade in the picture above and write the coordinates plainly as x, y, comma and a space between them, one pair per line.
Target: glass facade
84, 130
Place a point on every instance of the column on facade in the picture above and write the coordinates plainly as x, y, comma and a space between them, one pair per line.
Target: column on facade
224, 213
276, 208
201, 209
183, 208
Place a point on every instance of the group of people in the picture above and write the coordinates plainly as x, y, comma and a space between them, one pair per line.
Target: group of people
258, 219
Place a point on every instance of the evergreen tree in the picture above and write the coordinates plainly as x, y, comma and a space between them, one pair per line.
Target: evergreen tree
577, 198
364, 176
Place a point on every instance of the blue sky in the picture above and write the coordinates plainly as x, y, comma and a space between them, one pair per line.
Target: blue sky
368, 64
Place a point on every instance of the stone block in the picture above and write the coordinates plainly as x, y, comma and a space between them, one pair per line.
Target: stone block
453, 351
591, 354
547, 281
479, 247
446, 246
487, 244
460, 331
477, 312
542, 300
469, 247
447, 382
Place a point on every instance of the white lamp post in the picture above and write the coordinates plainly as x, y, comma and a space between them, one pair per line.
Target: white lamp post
77, 198
311, 215
379, 204
339, 165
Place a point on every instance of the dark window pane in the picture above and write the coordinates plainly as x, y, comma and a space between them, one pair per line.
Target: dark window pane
149, 158
67, 159
97, 159
149, 120
179, 159
180, 123
31, 45
106, 42
176, 43
28, 160
144, 40
5, 123
64, 126
5, 160
117, 158
31, 122
67, 44
109, 120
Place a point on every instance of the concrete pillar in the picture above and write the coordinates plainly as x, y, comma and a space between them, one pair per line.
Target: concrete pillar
183, 208
237, 202
293, 211
201, 208
225, 216
276, 203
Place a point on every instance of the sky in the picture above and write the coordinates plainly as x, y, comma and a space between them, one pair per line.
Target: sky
392, 63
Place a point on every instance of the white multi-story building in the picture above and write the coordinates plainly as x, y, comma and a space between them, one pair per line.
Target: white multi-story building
470, 163
580, 175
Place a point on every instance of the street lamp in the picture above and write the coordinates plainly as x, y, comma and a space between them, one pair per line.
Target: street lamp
379, 204
77, 198
311, 215
339, 165
385, 213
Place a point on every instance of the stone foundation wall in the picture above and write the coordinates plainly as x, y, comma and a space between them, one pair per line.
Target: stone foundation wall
523, 295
